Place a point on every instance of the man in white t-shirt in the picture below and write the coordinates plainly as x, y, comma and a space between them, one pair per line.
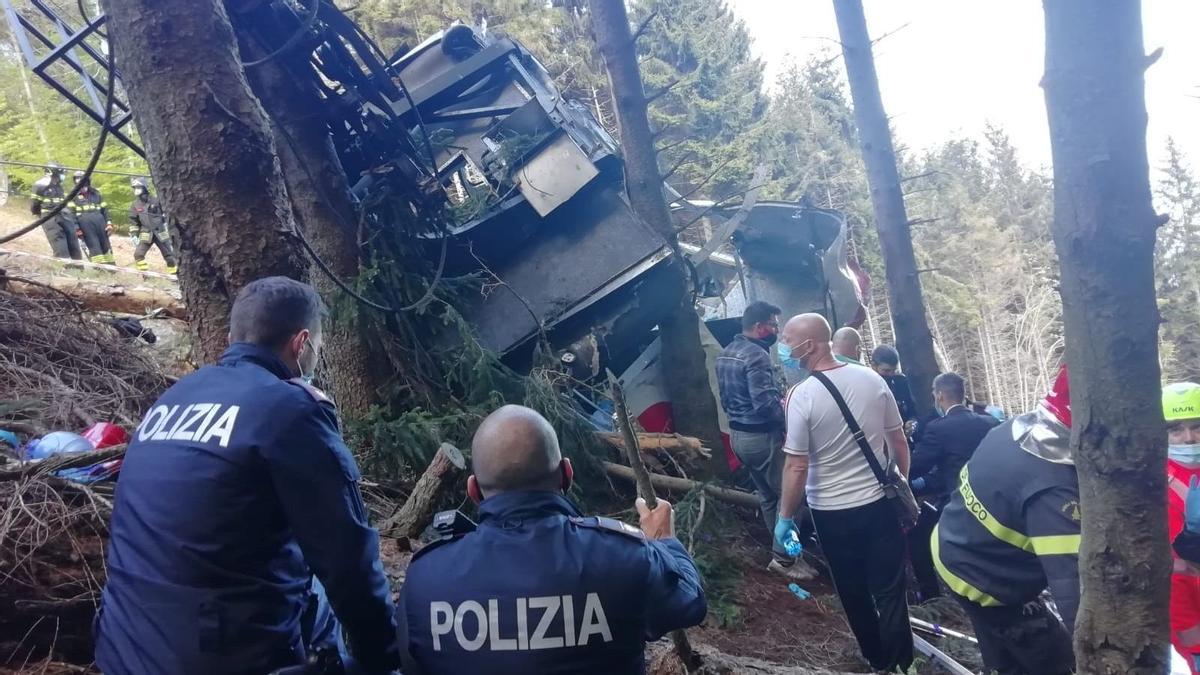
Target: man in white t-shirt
859, 531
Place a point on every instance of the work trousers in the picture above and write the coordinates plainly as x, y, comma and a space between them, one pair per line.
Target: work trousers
61, 235
159, 238
864, 547
95, 235
1024, 640
762, 453
920, 555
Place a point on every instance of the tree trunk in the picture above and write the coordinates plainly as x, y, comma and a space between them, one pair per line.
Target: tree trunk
685, 371
418, 509
1104, 232
913, 338
324, 210
210, 148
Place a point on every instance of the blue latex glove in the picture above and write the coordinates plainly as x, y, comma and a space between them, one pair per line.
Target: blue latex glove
1191, 507
787, 536
799, 592
917, 484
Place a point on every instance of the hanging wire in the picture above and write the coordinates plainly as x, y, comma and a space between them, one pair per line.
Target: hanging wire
87, 172
295, 37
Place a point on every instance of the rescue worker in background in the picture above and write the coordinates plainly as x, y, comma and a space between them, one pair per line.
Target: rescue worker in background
1010, 530
847, 345
92, 221
149, 225
1181, 409
750, 395
537, 588
947, 442
886, 361
60, 230
237, 497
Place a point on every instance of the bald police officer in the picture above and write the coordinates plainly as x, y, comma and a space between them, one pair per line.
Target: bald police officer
538, 588
237, 500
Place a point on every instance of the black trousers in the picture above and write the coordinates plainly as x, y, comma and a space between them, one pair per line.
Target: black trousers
920, 555
95, 235
864, 546
1026, 640
61, 235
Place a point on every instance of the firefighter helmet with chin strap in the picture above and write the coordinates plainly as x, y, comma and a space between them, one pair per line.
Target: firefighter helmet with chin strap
1181, 401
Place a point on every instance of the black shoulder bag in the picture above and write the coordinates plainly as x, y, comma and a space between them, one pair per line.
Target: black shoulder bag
895, 487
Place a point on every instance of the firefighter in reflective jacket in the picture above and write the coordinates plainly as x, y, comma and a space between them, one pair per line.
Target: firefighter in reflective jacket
1011, 530
92, 221
538, 587
149, 225
237, 496
1181, 409
60, 230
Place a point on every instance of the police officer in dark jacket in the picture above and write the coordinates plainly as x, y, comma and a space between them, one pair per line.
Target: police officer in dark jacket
236, 490
538, 588
947, 442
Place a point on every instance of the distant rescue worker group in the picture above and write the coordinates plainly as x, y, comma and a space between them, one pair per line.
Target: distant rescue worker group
85, 218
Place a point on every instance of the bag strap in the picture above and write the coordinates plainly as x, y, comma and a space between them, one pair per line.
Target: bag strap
855, 430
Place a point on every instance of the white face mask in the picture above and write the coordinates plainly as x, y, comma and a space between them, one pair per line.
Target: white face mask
306, 377
1188, 454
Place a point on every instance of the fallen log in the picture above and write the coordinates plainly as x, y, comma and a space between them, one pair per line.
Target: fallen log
101, 296
648, 441
418, 509
737, 497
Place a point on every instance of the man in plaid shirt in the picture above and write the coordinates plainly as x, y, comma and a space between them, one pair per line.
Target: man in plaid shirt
751, 397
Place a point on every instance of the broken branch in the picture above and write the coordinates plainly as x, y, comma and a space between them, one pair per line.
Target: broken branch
673, 484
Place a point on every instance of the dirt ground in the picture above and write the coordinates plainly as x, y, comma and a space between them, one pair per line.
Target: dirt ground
15, 214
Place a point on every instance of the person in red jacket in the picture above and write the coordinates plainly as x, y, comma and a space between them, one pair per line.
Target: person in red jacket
1181, 409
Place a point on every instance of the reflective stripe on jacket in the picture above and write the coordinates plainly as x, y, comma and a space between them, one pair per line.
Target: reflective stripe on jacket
1012, 528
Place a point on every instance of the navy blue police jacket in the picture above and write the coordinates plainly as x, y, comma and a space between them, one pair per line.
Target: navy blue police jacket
236, 489
538, 588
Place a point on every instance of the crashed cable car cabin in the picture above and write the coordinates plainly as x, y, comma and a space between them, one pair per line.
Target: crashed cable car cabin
533, 184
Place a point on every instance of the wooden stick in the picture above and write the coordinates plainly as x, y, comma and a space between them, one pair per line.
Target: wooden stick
633, 451
675, 484
691, 660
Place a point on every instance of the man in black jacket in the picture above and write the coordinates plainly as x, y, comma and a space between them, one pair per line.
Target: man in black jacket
946, 444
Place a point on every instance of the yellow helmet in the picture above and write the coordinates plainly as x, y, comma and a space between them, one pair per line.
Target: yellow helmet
1181, 401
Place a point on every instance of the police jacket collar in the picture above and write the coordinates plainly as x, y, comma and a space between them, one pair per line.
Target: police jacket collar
258, 355
532, 504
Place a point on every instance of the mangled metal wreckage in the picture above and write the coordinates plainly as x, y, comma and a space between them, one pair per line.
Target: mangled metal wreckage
535, 183
574, 259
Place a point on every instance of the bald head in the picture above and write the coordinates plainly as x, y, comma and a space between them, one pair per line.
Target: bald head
804, 327
847, 342
515, 448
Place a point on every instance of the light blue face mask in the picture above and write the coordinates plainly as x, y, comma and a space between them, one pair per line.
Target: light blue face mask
939, 411
1187, 454
785, 355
